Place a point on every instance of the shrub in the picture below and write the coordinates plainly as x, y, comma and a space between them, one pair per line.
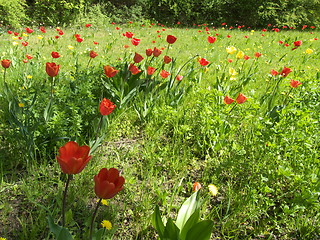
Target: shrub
12, 13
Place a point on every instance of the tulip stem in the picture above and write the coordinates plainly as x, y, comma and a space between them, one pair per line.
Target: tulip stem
4, 76
232, 108
94, 217
64, 199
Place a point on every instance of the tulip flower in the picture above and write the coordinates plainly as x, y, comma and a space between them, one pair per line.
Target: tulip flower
150, 70
171, 39
55, 54
156, 52
211, 39
137, 58
93, 54
52, 69
129, 34
108, 183
294, 83
203, 62
274, 72
106, 107
240, 55
167, 59
149, 52
164, 74
179, 78
72, 158
285, 71
134, 69
135, 41
241, 98
110, 71
196, 186
228, 100
5, 63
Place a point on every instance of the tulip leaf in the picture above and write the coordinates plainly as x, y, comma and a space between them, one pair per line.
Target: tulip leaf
171, 231
60, 233
187, 209
157, 221
200, 231
193, 219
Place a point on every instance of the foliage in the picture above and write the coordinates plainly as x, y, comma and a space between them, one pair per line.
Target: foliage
12, 13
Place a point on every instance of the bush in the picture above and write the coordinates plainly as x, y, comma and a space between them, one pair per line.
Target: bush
12, 13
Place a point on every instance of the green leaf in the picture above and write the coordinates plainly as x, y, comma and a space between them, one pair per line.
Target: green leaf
157, 221
193, 219
99, 234
60, 233
187, 209
171, 231
201, 231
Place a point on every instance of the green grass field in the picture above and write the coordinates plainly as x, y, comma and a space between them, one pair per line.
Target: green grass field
165, 134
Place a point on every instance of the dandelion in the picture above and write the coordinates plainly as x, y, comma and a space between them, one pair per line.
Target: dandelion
104, 202
70, 47
29, 76
213, 189
309, 51
106, 224
20, 105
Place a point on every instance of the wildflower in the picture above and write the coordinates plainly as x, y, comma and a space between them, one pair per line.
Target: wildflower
149, 52
135, 41
179, 78
171, 39
203, 62
55, 54
5, 63
164, 74
137, 58
70, 47
257, 54
134, 69
106, 107
240, 55
150, 70
88, 25
211, 39
213, 189
93, 54
196, 186
241, 98
104, 202
294, 83
246, 57
167, 59
20, 105
309, 51
52, 69
285, 71
228, 100
231, 50
156, 52
29, 76
108, 183
72, 158
129, 34
274, 72
106, 224
110, 71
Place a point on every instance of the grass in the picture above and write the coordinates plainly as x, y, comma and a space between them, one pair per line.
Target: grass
263, 155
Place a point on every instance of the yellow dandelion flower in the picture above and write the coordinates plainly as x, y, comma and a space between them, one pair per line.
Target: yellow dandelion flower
106, 224
40, 37
231, 50
213, 189
29, 76
15, 43
309, 51
240, 55
21, 105
24, 34
70, 47
104, 202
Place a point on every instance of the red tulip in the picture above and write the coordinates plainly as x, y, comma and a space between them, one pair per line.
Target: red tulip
88, 25
135, 41
55, 54
241, 98
137, 58
164, 74
150, 70
52, 69
5, 63
246, 57
211, 39
149, 52
257, 54
297, 43
285, 71
274, 72
156, 52
110, 71
134, 69
24, 43
29, 56
28, 30
204, 62
294, 83
93, 54
167, 59
72, 158
9, 32
106, 107
228, 100
108, 183
171, 39
42, 29
196, 186
179, 78
79, 39
129, 34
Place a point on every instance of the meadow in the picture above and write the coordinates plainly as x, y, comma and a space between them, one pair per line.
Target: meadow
185, 108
